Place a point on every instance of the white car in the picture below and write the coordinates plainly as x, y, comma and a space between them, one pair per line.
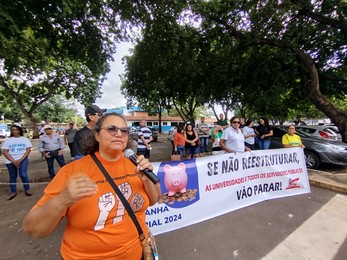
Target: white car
4, 133
323, 131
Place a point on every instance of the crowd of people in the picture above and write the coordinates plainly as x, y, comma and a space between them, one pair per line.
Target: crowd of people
81, 193
189, 141
237, 136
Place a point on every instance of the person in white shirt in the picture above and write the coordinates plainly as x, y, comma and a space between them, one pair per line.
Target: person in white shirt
248, 132
232, 140
51, 145
16, 150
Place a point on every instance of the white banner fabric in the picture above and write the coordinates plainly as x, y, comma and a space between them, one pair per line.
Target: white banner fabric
208, 187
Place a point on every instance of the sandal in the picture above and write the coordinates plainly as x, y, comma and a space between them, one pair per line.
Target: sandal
28, 193
12, 196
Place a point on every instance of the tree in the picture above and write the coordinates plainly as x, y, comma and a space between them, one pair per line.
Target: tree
157, 76
57, 110
313, 32
58, 48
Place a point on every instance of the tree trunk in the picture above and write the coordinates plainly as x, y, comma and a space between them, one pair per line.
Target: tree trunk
33, 122
311, 87
160, 115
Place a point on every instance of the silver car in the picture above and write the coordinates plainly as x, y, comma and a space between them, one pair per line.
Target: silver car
317, 150
321, 131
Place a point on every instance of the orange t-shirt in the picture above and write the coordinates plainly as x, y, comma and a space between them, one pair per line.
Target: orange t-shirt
99, 227
179, 139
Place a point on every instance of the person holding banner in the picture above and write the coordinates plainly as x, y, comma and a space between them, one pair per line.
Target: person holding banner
264, 132
233, 140
249, 134
192, 139
291, 139
216, 136
97, 226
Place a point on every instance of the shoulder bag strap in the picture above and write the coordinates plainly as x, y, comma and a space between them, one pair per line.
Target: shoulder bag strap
120, 196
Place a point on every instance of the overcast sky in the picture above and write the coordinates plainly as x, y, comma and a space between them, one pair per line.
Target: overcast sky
111, 95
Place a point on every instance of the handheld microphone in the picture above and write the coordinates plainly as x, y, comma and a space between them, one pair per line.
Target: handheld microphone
128, 153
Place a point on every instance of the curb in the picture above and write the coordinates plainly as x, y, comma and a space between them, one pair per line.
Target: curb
329, 185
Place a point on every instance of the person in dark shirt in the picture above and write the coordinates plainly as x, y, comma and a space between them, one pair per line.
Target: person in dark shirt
264, 132
69, 136
222, 122
92, 113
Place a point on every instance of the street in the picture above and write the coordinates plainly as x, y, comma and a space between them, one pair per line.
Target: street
309, 226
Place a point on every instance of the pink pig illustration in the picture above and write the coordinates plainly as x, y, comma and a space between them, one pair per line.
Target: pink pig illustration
175, 179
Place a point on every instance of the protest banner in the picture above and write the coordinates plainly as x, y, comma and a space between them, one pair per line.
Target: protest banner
199, 189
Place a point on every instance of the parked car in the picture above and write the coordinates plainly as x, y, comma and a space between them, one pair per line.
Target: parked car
317, 150
322, 131
4, 133
134, 133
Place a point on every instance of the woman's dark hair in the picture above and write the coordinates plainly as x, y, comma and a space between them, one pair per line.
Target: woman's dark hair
249, 121
21, 132
266, 121
233, 118
179, 129
189, 125
90, 144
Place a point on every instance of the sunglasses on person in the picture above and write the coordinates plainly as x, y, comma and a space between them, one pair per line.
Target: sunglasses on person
112, 130
96, 114
235, 122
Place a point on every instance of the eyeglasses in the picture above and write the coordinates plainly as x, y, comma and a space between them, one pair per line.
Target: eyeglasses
291, 128
235, 122
96, 114
112, 130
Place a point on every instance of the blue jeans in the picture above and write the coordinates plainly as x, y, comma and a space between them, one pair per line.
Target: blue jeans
50, 162
204, 144
264, 144
180, 150
191, 151
23, 174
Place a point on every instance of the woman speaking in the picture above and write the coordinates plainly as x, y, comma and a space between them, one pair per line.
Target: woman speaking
98, 226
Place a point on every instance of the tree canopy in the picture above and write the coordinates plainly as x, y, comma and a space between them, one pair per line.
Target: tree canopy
265, 57
268, 56
50, 48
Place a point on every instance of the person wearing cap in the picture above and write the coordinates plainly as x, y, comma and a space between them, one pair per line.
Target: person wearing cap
16, 150
51, 145
92, 113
